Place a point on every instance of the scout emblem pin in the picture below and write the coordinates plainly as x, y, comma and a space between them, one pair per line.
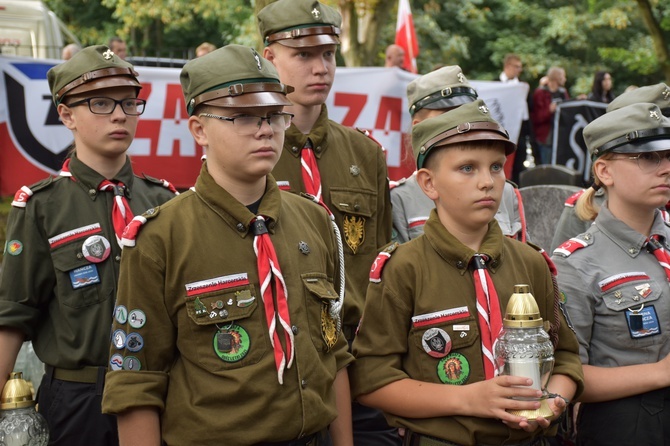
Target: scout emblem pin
354, 231
436, 342
303, 247
96, 248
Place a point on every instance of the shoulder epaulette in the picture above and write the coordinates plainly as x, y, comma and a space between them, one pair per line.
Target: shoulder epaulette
22, 195
570, 246
380, 261
133, 228
547, 259
394, 184
165, 183
369, 135
572, 199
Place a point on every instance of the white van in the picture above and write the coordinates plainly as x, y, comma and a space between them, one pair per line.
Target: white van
28, 28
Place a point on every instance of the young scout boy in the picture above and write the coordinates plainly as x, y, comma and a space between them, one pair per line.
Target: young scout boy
61, 262
431, 95
433, 286
340, 166
229, 329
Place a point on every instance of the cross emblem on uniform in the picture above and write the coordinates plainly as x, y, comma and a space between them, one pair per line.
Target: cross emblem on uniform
316, 13
258, 60
108, 54
654, 114
484, 109
461, 78
666, 93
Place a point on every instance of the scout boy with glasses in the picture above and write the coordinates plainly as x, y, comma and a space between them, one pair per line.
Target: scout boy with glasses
239, 338
64, 234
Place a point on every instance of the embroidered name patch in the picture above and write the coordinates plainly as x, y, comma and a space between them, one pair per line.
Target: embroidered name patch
65, 237
440, 317
216, 284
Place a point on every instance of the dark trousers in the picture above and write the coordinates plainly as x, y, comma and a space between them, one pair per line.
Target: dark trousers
73, 413
640, 420
371, 428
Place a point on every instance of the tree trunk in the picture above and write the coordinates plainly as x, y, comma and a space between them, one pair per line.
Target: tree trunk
361, 28
656, 33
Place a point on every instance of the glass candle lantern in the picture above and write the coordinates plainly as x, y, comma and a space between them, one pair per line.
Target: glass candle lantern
524, 348
20, 424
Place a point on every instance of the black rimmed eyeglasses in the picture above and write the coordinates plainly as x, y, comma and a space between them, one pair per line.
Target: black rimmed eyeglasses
106, 106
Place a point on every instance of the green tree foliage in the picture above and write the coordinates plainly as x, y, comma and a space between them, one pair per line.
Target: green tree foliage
629, 38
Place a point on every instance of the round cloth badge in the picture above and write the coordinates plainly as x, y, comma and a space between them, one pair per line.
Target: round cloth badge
453, 369
131, 363
96, 248
121, 314
134, 342
436, 342
14, 247
231, 343
137, 318
119, 339
116, 362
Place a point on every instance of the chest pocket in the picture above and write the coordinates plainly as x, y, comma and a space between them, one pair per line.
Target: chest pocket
226, 330
464, 336
319, 297
631, 295
81, 283
356, 208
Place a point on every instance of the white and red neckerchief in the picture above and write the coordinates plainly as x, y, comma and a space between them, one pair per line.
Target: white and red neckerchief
268, 270
488, 309
656, 248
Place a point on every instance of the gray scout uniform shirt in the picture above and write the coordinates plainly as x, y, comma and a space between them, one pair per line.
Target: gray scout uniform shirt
411, 208
606, 275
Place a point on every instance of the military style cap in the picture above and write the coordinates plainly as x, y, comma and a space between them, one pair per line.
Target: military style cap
232, 76
634, 128
440, 89
658, 94
93, 68
469, 122
299, 23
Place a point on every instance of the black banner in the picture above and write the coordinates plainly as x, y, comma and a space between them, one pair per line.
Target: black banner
569, 148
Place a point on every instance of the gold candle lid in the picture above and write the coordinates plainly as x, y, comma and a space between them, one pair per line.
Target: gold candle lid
522, 310
16, 394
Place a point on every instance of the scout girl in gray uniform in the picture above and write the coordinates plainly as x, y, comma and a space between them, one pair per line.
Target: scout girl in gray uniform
614, 280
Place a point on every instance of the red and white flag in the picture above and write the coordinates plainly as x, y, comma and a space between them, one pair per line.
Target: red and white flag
405, 36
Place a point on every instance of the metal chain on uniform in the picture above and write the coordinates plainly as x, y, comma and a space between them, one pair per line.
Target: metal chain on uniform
269, 271
488, 309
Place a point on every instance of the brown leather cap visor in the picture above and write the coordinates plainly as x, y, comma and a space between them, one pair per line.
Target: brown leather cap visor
246, 95
301, 37
476, 131
97, 80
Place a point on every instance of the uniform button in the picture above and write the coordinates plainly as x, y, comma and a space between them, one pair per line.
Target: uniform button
303, 383
92, 192
632, 250
240, 227
357, 207
318, 149
117, 258
80, 255
295, 330
460, 265
494, 264
271, 225
294, 149
587, 237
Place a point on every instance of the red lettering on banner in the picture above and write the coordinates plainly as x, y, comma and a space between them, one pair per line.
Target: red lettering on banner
145, 92
389, 117
355, 104
174, 98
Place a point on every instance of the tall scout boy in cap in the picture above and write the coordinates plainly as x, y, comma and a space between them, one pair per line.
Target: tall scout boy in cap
61, 263
236, 332
431, 95
453, 283
341, 167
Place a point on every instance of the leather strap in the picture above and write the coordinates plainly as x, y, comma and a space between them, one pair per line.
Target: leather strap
238, 89
93, 75
302, 32
464, 128
631, 137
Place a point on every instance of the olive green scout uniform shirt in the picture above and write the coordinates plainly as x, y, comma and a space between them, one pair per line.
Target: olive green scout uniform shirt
429, 275
212, 389
50, 291
355, 189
